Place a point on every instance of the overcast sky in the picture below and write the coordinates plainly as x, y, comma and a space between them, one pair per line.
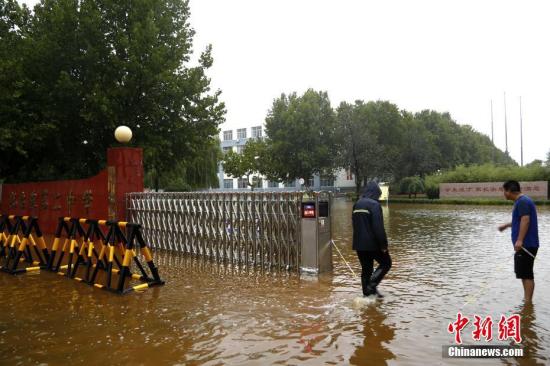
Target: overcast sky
450, 56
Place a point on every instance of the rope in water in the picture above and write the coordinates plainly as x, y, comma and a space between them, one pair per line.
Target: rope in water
485, 283
344, 259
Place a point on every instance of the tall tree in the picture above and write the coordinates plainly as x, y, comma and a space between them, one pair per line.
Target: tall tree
199, 172
301, 136
419, 154
357, 138
16, 131
94, 65
369, 139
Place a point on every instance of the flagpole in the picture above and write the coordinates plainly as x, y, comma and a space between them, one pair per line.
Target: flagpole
505, 125
521, 129
492, 132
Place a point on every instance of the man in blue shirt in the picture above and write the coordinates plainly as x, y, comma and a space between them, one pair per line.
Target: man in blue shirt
525, 235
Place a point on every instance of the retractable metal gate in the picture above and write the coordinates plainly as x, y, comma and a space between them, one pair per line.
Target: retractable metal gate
261, 229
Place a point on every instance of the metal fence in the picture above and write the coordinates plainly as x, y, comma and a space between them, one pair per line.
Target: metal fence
260, 229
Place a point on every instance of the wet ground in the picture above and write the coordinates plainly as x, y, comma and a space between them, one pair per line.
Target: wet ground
445, 259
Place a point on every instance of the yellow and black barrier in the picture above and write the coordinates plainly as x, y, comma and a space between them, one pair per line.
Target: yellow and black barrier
116, 239
15, 252
76, 246
116, 254
79, 245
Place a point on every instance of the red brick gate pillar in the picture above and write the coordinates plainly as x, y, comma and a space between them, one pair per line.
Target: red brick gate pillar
124, 175
100, 197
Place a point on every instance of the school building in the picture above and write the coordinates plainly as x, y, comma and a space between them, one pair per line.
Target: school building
235, 140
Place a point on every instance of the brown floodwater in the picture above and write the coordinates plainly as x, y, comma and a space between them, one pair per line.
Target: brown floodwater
445, 259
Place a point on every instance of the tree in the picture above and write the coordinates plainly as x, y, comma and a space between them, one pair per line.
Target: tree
411, 185
548, 159
94, 65
247, 163
15, 130
357, 138
419, 155
535, 163
369, 138
301, 137
192, 174
458, 144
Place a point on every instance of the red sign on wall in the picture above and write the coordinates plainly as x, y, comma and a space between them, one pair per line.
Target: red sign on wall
491, 189
99, 197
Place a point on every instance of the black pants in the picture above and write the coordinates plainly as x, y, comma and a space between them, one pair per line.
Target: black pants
523, 263
370, 280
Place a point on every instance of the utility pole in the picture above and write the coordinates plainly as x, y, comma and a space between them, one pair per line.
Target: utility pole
521, 130
492, 134
505, 125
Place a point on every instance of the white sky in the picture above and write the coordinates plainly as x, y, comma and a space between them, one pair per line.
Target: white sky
450, 56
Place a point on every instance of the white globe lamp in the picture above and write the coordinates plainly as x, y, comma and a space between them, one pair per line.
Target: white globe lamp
123, 134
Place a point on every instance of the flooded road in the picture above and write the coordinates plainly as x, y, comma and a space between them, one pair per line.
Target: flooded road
446, 259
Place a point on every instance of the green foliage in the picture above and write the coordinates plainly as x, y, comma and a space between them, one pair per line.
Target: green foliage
432, 190
191, 174
368, 138
535, 163
458, 144
80, 68
250, 161
491, 173
301, 131
411, 185
378, 141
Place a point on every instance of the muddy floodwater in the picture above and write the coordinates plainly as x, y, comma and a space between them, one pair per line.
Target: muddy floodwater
446, 259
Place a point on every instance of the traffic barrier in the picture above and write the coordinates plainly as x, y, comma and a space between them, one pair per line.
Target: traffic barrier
79, 242
115, 249
84, 245
16, 250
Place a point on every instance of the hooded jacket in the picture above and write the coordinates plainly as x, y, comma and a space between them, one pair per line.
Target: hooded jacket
368, 224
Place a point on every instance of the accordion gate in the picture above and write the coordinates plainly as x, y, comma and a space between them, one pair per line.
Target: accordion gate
251, 229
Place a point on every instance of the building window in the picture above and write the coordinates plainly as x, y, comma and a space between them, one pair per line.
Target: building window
240, 149
257, 132
243, 183
227, 149
272, 184
228, 183
228, 135
291, 184
310, 182
241, 133
327, 181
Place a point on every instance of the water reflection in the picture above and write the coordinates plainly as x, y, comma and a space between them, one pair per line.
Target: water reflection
530, 330
377, 334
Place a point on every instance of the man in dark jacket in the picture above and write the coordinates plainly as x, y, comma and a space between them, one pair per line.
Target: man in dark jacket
369, 238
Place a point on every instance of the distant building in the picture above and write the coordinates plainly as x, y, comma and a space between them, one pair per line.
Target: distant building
235, 140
